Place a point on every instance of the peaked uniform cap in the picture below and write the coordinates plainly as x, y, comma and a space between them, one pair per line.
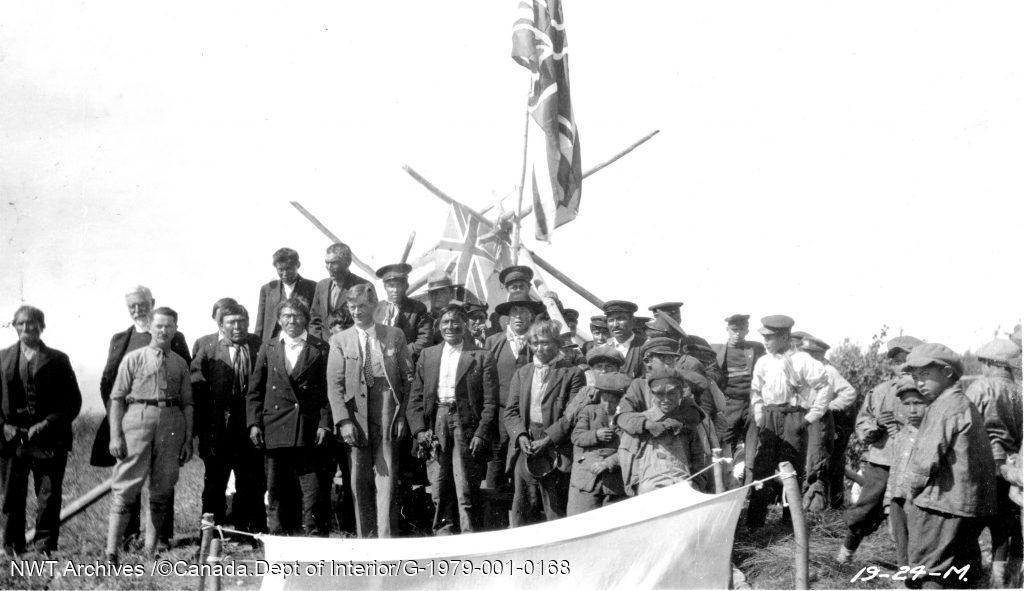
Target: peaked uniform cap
740, 319
515, 273
666, 306
660, 346
775, 324
395, 271
616, 306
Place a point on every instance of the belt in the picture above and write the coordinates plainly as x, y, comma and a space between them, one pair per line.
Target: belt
452, 404
785, 407
159, 403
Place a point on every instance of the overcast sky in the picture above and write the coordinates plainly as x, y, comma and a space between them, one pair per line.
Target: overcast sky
852, 165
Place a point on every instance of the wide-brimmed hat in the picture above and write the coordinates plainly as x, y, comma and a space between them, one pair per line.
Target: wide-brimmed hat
519, 300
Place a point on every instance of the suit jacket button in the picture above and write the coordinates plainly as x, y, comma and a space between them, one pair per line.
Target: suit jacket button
275, 407
296, 405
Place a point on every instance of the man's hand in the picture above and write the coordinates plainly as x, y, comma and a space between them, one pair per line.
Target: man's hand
186, 452
401, 429
758, 419
541, 444
10, 432
118, 448
321, 437
597, 468
885, 418
477, 445
256, 436
348, 433
35, 430
424, 437
893, 428
605, 434
673, 425
525, 444
655, 428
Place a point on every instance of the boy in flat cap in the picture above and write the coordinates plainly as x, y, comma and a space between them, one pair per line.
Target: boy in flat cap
736, 361
877, 421
662, 445
913, 405
598, 330
841, 414
788, 393
595, 479
602, 360
998, 400
406, 314
621, 324
952, 473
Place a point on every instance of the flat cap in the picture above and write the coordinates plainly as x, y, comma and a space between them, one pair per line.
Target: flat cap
606, 353
660, 346
570, 315
519, 301
665, 306
901, 343
776, 323
1001, 351
515, 273
472, 308
739, 319
438, 280
813, 343
927, 354
662, 326
395, 271
599, 321
613, 382
617, 306
905, 384
687, 377
453, 306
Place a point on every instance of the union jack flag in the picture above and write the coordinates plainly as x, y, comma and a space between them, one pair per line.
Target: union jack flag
554, 175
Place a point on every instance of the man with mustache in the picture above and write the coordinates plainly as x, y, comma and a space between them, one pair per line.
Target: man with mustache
621, 324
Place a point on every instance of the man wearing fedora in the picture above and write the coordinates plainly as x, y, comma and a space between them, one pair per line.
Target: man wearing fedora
406, 314
540, 451
621, 325
452, 411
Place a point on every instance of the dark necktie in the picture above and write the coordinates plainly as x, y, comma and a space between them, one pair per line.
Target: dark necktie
367, 364
241, 367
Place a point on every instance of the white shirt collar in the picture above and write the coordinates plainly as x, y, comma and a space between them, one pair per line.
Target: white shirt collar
450, 349
625, 344
512, 336
299, 340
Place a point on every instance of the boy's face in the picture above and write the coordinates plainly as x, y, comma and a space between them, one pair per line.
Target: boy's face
914, 406
655, 361
777, 342
610, 401
603, 367
600, 334
933, 379
668, 395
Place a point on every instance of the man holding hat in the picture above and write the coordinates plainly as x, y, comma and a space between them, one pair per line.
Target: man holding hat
877, 421
408, 315
595, 480
621, 324
598, 330
736, 361
841, 412
952, 473
788, 393
998, 400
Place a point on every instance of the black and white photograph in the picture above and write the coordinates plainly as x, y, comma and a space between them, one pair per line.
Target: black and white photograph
511, 294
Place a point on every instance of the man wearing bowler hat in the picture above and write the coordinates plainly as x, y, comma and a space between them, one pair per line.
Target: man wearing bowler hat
408, 315
788, 392
621, 324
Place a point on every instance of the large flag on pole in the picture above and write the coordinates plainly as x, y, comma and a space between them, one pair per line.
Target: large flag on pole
553, 173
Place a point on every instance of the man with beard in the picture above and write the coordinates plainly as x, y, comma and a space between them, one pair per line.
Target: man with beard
329, 296
221, 373
288, 284
621, 324
140, 303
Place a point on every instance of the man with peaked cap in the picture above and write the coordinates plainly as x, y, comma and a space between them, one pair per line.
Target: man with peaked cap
640, 325
598, 330
595, 479
841, 409
516, 280
820, 435
620, 324
508, 350
998, 400
788, 393
672, 309
329, 296
952, 475
736, 361
796, 339
404, 313
476, 315
288, 283
877, 421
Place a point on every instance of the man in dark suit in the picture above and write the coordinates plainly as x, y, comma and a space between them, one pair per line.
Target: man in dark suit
368, 376
736, 359
220, 382
509, 350
288, 416
540, 450
213, 337
288, 284
408, 315
39, 397
621, 324
453, 412
329, 296
140, 302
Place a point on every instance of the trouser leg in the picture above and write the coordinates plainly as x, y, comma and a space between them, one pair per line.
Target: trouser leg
465, 477
14, 471
439, 471
940, 542
309, 470
737, 414
48, 475
360, 460
248, 509
216, 472
384, 463
526, 501
765, 463
837, 461
554, 492
281, 488
581, 502
820, 437
163, 476
139, 425
864, 516
898, 519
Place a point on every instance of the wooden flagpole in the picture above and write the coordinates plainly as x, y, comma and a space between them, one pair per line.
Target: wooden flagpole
408, 247
518, 229
312, 218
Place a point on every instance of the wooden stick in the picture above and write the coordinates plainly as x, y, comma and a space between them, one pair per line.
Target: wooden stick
216, 550
791, 488
333, 237
631, 147
78, 505
716, 457
522, 180
408, 247
206, 523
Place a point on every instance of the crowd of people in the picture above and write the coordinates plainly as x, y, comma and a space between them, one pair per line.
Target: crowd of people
342, 411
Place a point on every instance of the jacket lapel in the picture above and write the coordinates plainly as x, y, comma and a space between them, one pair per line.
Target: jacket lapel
307, 357
43, 356
9, 361
224, 352
524, 401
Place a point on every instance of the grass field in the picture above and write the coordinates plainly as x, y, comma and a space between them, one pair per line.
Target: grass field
764, 556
